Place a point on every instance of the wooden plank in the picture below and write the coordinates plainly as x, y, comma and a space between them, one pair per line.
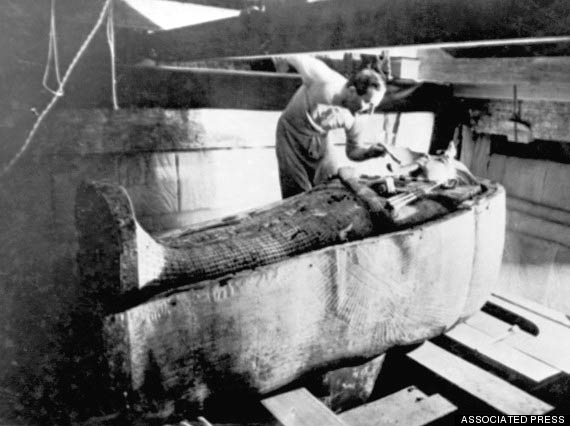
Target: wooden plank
300, 408
492, 390
494, 71
502, 353
529, 305
542, 90
289, 27
182, 88
550, 348
541, 316
547, 119
409, 407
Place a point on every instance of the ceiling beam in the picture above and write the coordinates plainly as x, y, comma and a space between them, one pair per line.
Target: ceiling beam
175, 88
338, 25
536, 78
557, 92
494, 70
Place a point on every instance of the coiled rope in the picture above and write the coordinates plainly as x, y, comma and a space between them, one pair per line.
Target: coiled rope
59, 91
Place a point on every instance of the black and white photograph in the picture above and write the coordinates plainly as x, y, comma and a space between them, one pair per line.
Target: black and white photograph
284, 212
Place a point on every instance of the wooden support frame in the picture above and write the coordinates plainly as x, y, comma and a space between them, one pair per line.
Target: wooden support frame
496, 392
408, 406
501, 353
290, 27
182, 88
536, 78
509, 71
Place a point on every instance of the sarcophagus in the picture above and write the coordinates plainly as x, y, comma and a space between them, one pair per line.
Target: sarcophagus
250, 303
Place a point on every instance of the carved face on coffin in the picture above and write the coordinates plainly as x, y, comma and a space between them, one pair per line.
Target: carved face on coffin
441, 168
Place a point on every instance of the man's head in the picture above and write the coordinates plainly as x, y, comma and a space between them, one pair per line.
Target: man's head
365, 90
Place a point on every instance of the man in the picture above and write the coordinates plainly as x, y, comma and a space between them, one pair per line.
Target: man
325, 101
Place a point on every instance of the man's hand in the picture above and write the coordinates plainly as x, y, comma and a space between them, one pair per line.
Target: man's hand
375, 151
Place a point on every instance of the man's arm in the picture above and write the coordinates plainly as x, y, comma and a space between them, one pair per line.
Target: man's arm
312, 69
359, 153
328, 117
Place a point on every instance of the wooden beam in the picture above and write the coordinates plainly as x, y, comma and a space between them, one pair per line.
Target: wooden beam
494, 391
548, 120
409, 407
435, 67
300, 408
532, 306
542, 91
359, 24
536, 78
551, 346
501, 353
175, 88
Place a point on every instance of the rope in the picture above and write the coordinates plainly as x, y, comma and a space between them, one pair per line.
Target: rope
111, 42
52, 53
53, 101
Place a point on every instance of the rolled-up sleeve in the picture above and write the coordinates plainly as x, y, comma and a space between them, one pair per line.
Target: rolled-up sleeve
333, 117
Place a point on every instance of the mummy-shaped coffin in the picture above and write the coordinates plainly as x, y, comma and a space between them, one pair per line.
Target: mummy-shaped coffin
253, 302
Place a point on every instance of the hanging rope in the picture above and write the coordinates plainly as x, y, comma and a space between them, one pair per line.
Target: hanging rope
57, 95
111, 42
52, 54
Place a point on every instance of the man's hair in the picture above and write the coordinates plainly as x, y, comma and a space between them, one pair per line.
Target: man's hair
364, 79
